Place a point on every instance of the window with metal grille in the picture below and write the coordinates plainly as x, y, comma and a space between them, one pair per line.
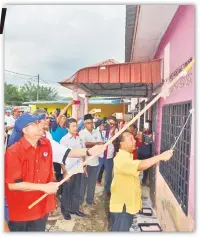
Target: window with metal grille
176, 171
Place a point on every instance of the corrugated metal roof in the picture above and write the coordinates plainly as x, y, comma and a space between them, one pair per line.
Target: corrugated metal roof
102, 63
141, 72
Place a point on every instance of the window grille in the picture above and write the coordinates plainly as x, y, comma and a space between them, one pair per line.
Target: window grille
176, 171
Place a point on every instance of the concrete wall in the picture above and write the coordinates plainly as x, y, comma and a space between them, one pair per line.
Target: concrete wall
180, 36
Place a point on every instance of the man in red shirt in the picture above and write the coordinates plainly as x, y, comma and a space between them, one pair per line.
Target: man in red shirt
28, 175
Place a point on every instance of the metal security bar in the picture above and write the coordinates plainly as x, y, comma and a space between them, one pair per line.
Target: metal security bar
142, 104
176, 171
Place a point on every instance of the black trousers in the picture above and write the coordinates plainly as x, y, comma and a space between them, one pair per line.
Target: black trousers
145, 172
100, 174
57, 169
36, 225
71, 195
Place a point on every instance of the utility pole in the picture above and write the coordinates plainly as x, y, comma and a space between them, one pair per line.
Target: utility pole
38, 87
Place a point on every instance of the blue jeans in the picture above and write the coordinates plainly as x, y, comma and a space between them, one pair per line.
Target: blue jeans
121, 221
108, 165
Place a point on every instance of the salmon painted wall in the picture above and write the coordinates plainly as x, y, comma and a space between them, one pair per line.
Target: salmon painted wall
106, 110
180, 36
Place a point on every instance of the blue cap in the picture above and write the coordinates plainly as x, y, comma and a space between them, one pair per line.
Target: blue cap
21, 123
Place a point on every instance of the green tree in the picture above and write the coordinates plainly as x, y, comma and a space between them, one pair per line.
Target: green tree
12, 95
29, 92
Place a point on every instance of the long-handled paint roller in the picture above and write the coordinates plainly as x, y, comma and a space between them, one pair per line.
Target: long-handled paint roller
163, 93
190, 113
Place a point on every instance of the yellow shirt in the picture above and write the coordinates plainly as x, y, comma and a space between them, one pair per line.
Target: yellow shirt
125, 188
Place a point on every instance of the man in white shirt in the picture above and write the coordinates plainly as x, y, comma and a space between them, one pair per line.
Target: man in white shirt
60, 152
90, 137
70, 201
106, 159
10, 120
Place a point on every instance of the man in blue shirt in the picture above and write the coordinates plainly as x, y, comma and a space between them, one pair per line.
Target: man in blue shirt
58, 131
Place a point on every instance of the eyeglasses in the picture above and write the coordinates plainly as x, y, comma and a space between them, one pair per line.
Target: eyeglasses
113, 124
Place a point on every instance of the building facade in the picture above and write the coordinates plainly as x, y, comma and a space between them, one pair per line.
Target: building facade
175, 180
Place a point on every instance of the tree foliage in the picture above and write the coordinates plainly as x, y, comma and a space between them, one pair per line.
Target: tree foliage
14, 95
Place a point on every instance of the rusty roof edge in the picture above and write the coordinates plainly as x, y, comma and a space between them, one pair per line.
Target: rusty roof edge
145, 61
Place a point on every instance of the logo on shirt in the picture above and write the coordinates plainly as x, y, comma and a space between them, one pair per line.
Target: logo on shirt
45, 154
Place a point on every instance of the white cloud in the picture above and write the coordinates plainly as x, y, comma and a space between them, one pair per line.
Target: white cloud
56, 41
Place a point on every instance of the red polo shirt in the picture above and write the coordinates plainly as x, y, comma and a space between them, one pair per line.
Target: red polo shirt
25, 163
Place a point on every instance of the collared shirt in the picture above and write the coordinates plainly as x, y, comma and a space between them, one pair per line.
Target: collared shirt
110, 151
87, 136
10, 122
58, 150
125, 188
69, 141
24, 163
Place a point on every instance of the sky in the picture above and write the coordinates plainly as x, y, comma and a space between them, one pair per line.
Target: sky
55, 41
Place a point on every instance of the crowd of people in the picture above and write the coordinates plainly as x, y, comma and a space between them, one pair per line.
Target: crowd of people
42, 149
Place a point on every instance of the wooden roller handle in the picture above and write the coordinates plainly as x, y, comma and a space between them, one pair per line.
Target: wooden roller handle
186, 69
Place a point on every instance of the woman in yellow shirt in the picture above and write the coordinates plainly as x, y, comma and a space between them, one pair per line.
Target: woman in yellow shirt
125, 189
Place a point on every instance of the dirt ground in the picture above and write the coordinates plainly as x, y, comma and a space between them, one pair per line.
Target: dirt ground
96, 220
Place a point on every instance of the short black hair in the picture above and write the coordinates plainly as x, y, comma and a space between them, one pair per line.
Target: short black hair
112, 118
69, 121
88, 116
120, 139
104, 118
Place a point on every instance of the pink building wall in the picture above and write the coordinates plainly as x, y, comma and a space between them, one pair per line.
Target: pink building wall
180, 34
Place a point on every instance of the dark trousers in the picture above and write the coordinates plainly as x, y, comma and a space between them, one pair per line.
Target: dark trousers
57, 169
108, 164
121, 221
36, 225
145, 176
59, 176
145, 172
100, 174
70, 201
89, 183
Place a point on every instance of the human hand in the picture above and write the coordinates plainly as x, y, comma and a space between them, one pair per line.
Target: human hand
85, 171
50, 188
97, 150
65, 174
167, 155
93, 111
70, 103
